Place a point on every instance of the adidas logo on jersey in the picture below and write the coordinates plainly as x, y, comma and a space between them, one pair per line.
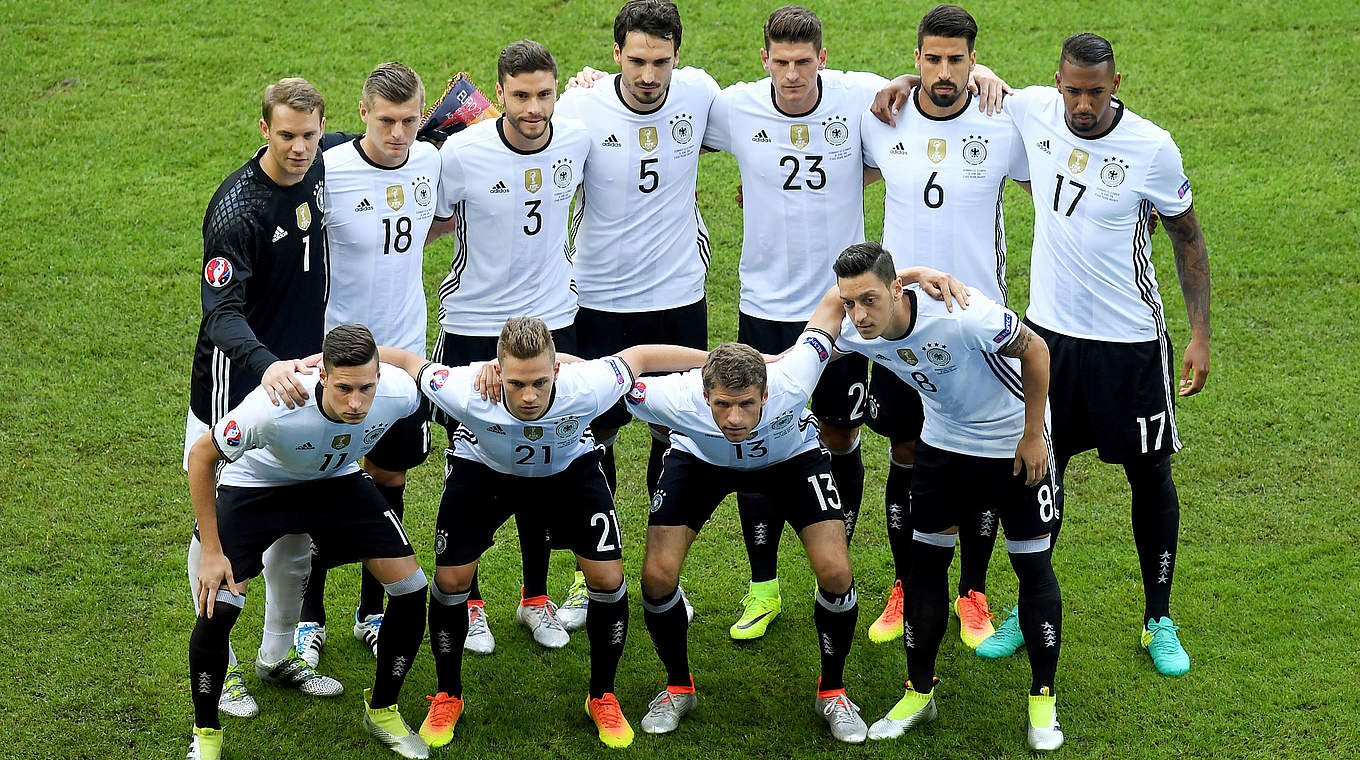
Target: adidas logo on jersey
898, 150
760, 137
611, 141
306, 447
499, 187
1043, 145
363, 206
496, 429
279, 234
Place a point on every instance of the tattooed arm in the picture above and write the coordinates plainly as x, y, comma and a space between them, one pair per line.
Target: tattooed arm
1192, 268
1031, 455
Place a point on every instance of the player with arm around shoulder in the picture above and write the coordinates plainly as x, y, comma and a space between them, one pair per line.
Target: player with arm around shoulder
983, 380
737, 424
293, 471
529, 448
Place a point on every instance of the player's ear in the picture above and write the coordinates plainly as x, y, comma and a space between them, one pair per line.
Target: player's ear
500, 96
766, 395
821, 60
618, 54
264, 129
765, 60
1117, 77
916, 56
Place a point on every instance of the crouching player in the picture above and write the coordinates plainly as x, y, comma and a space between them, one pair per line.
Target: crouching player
292, 471
528, 447
983, 381
738, 425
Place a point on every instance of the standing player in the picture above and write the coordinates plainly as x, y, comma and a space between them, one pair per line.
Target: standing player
528, 448
736, 426
945, 166
984, 445
380, 196
505, 192
796, 139
1099, 173
264, 296
641, 247
795, 136
292, 470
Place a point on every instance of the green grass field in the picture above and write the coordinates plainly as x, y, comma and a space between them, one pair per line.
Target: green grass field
125, 116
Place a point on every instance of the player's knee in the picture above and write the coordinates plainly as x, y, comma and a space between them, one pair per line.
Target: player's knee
454, 580
659, 579
390, 478
839, 440
603, 575
660, 434
605, 436
836, 579
412, 582
904, 453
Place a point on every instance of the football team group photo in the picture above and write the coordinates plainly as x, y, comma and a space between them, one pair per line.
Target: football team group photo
712, 387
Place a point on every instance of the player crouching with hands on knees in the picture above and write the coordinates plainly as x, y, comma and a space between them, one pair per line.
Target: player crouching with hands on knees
292, 471
526, 445
983, 381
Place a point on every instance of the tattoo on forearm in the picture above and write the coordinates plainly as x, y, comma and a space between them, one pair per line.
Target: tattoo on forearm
1192, 266
1018, 345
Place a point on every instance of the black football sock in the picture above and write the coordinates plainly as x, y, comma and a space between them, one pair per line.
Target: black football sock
474, 591
399, 638
668, 626
925, 610
607, 628
848, 470
835, 616
208, 657
533, 552
761, 526
448, 633
654, 460
1156, 525
897, 505
370, 588
1040, 609
1059, 484
977, 539
611, 475
314, 592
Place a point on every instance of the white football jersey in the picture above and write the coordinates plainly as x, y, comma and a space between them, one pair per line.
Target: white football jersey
267, 445
640, 242
490, 434
511, 209
803, 187
973, 400
1091, 274
945, 179
786, 428
376, 222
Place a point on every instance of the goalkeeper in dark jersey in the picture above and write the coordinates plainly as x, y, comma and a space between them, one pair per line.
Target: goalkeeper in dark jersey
264, 296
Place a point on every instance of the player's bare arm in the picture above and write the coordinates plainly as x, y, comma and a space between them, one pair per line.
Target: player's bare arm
871, 175
215, 569
941, 286
1024, 185
1192, 268
982, 82
1031, 454
400, 357
653, 358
